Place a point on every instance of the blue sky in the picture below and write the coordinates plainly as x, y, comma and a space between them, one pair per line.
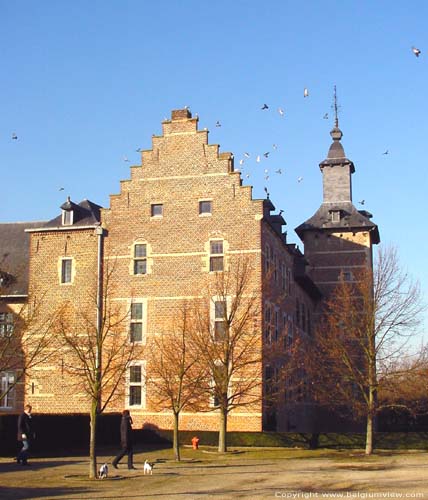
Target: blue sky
84, 84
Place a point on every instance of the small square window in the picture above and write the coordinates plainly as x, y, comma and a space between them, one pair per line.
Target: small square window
205, 207
335, 216
157, 210
66, 267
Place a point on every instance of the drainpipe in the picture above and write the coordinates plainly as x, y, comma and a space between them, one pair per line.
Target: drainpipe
98, 354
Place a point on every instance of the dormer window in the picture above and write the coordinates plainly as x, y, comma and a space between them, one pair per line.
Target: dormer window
335, 215
67, 217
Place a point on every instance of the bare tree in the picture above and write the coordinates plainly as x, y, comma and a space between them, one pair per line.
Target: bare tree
97, 351
228, 339
25, 338
366, 326
176, 377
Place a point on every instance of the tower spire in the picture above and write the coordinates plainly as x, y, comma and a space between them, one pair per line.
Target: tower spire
336, 109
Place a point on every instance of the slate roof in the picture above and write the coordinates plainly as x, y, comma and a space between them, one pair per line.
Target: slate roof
14, 256
351, 218
86, 213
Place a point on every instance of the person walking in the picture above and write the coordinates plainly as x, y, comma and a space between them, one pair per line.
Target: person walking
25, 434
125, 440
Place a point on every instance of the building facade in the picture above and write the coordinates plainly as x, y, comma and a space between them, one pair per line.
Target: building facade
183, 216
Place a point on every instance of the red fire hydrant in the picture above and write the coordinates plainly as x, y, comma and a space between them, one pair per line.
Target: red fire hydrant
195, 442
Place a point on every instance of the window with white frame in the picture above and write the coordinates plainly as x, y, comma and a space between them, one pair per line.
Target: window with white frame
6, 324
7, 387
205, 207
66, 270
140, 258
220, 320
136, 394
136, 324
335, 215
216, 255
67, 217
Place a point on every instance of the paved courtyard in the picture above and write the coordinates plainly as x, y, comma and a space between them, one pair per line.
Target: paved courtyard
250, 474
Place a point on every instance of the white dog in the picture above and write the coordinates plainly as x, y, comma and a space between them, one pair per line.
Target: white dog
103, 473
148, 467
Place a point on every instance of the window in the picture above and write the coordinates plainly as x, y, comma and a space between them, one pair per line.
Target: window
267, 258
7, 383
335, 216
67, 217
205, 207
347, 275
135, 385
220, 320
6, 324
140, 258
283, 277
66, 267
136, 326
216, 255
157, 210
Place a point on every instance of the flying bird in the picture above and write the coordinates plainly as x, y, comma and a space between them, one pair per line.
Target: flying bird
266, 177
274, 146
247, 176
125, 158
362, 202
258, 159
279, 171
241, 162
299, 179
265, 106
138, 150
61, 189
305, 92
281, 111
266, 171
386, 152
266, 154
218, 124
416, 51
247, 155
14, 136
325, 116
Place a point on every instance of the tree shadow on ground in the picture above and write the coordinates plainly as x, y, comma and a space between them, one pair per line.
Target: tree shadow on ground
17, 493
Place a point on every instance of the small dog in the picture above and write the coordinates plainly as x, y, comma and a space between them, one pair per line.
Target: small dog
103, 472
148, 467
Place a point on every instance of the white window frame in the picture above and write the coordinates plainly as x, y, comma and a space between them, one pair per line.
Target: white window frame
6, 324
139, 258
216, 255
67, 217
143, 320
141, 384
8, 401
63, 271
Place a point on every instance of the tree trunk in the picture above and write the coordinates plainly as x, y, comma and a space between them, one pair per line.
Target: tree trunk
92, 441
222, 435
369, 433
176, 440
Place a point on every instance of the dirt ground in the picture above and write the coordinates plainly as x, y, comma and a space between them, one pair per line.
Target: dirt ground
241, 473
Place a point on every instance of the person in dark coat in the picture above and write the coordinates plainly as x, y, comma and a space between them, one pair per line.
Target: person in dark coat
25, 434
125, 440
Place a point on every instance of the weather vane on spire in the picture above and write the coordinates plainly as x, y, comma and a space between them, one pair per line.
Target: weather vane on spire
336, 109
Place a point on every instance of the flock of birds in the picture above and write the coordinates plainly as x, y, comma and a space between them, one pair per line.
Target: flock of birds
417, 52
